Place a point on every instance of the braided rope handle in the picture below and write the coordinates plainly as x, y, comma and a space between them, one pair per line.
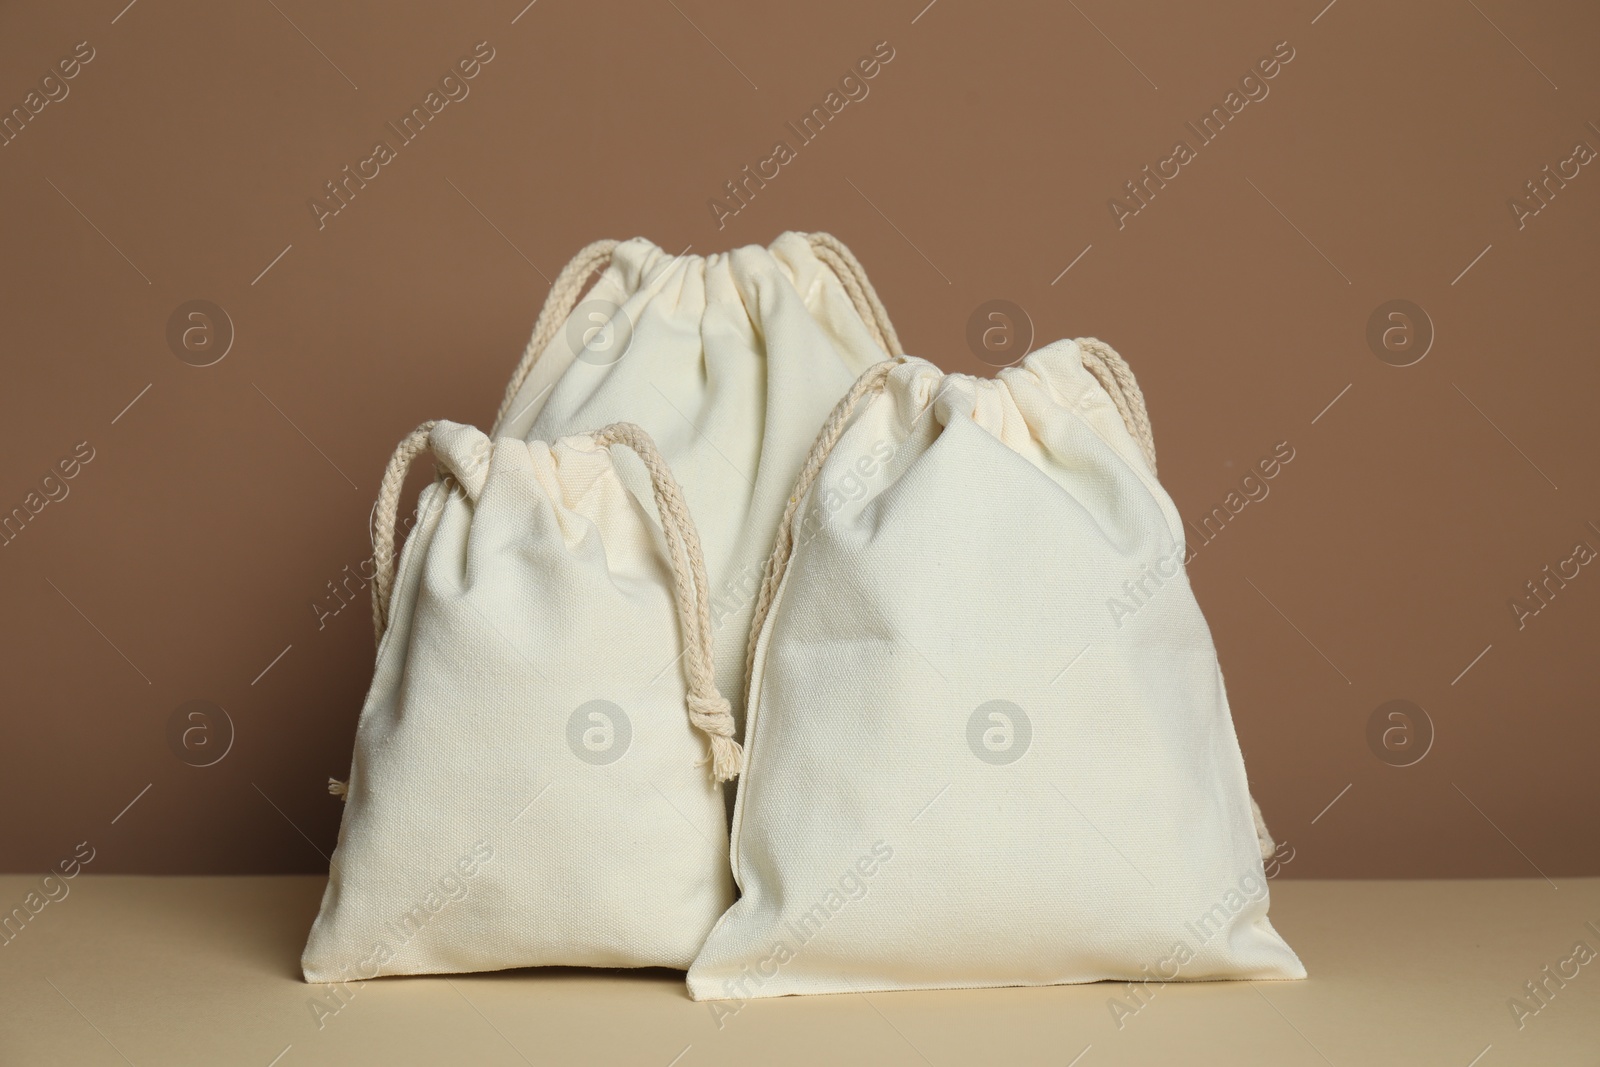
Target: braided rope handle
564, 294
1116, 378
709, 711
871, 382
837, 257
384, 515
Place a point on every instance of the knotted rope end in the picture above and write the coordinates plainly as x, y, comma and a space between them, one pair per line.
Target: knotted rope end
727, 758
712, 715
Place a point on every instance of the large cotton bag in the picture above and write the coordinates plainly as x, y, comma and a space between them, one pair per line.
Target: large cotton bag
532, 781
987, 740
730, 361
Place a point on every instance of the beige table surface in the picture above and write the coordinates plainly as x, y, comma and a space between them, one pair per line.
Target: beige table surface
175, 971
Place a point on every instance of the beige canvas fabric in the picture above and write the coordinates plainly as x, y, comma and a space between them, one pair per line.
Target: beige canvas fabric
533, 779
988, 742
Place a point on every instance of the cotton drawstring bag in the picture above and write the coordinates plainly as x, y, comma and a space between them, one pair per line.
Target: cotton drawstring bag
729, 361
987, 740
536, 763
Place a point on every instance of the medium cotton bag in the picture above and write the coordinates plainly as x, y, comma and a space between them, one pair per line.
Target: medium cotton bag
730, 362
987, 742
533, 776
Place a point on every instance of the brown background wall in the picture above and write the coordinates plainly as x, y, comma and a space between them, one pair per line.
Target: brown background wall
186, 559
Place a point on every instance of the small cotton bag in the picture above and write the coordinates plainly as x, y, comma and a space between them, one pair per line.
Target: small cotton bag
987, 739
730, 362
530, 783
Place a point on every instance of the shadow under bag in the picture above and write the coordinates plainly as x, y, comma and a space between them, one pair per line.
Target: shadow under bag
974, 757
530, 783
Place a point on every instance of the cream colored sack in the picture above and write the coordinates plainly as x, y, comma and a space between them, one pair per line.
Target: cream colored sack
730, 361
531, 782
966, 766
